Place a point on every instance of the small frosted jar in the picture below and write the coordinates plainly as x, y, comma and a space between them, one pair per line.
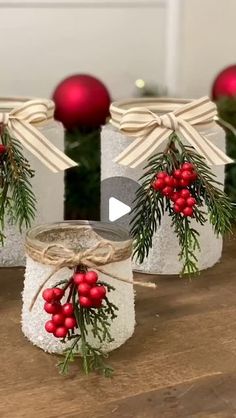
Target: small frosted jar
74, 235
163, 256
45, 185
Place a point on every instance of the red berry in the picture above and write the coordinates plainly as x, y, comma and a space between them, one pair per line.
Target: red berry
50, 326
183, 182
176, 208
180, 202
169, 181
85, 302
52, 308
175, 196
67, 309
187, 166
97, 303
84, 289
158, 184
185, 193
58, 293
187, 211
177, 174
61, 332
58, 319
193, 176
191, 201
91, 277
79, 278
98, 292
48, 295
70, 322
162, 174
186, 175
3, 149
167, 191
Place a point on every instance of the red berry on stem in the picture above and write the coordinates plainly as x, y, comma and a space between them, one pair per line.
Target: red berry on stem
181, 202
67, 309
3, 149
175, 196
70, 322
50, 326
162, 174
185, 193
79, 278
186, 175
176, 208
61, 332
52, 308
98, 292
177, 174
85, 302
167, 191
158, 184
48, 295
191, 201
58, 319
97, 303
187, 211
183, 182
169, 181
193, 176
91, 277
58, 293
84, 289
187, 166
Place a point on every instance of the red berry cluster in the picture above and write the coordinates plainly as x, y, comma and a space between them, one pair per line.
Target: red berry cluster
91, 294
174, 186
62, 315
3, 149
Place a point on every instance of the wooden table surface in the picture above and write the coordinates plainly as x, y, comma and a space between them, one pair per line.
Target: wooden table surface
181, 361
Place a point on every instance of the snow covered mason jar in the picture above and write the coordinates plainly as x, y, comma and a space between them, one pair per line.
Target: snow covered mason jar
48, 186
54, 252
114, 142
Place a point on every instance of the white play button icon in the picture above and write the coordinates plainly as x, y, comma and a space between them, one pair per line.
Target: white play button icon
117, 209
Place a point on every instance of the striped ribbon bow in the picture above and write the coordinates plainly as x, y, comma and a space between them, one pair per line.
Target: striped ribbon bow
150, 130
21, 124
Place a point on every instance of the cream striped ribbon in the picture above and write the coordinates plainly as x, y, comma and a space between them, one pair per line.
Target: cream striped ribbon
21, 123
150, 130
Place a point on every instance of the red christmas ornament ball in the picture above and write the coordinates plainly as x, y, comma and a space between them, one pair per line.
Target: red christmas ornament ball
81, 100
224, 84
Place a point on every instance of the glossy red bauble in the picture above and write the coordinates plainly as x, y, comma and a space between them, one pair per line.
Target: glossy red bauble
225, 83
70, 322
91, 277
61, 332
84, 289
79, 278
52, 308
81, 101
85, 302
48, 295
67, 309
50, 327
58, 319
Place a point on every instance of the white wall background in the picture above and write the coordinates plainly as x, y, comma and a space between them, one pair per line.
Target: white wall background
181, 44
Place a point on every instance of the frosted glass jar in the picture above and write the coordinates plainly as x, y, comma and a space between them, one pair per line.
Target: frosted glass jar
47, 186
113, 142
72, 235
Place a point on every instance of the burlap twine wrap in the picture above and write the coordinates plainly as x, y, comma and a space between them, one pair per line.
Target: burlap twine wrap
60, 256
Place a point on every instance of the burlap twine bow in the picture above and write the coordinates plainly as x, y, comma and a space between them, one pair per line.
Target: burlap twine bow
150, 130
21, 123
89, 258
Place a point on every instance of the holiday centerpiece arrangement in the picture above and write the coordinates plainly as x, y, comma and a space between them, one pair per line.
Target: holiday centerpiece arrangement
78, 297
31, 149
180, 207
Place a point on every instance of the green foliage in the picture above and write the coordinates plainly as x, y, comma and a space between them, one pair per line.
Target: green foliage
82, 198
150, 205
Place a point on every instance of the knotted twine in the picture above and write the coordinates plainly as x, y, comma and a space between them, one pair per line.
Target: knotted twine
149, 130
88, 258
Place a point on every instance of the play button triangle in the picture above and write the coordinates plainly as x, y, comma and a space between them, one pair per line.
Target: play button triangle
117, 209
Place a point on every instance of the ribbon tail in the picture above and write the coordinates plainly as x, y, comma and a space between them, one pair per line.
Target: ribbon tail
212, 154
142, 148
35, 142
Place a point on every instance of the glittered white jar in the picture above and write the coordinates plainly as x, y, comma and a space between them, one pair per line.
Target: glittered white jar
48, 188
113, 142
72, 235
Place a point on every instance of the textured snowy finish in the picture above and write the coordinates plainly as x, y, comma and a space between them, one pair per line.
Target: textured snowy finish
49, 190
33, 322
163, 257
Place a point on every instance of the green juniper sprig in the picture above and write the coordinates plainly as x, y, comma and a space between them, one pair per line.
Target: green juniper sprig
150, 205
